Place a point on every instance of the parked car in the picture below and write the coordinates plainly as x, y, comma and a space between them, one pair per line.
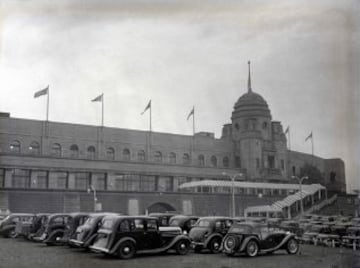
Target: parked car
54, 229
332, 238
29, 228
352, 238
8, 224
163, 217
126, 236
86, 233
252, 238
208, 233
311, 236
184, 222
72, 224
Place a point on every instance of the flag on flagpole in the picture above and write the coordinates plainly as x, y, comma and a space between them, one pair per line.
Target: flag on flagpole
147, 107
287, 130
190, 114
98, 98
309, 137
39, 93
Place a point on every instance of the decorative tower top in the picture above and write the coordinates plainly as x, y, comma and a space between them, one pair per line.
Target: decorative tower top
249, 79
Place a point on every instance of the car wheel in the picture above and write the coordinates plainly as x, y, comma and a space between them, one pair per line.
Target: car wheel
13, 234
126, 250
182, 247
197, 249
214, 245
292, 246
252, 248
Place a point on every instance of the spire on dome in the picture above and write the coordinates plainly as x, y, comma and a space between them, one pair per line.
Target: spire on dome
249, 79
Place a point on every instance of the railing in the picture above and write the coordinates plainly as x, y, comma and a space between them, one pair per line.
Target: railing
322, 204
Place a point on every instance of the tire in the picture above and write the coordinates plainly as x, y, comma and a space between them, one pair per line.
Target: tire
230, 243
252, 248
126, 250
197, 249
292, 246
182, 247
12, 234
214, 245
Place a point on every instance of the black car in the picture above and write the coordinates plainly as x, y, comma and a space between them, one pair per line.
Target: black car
86, 233
72, 224
163, 217
292, 226
29, 228
54, 229
252, 238
208, 233
125, 236
8, 224
184, 222
311, 235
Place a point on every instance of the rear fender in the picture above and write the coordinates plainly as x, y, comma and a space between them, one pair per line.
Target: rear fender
122, 240
90, 241
246, 240
167, 247
207, 241
52, 236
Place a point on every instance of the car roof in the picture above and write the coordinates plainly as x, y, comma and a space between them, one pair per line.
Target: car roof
21, 214
120, 217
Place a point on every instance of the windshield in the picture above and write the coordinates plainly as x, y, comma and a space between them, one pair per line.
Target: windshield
175, 222
241, 229
108, 223
203, 223
90, 220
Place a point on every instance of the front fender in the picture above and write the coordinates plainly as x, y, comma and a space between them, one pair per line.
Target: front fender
51, 237
208, 239
7, 229
178, 238
89, 241
246, 240
122, 240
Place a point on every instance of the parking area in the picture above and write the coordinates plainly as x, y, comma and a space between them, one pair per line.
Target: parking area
20, 253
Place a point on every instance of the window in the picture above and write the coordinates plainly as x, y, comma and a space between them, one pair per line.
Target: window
213, 161
101, 182
237, 162
110, 153
126, 155
56, 150
41, 179
82, 180
186, 159
141, 156
2, 177
91, 152
15, 147
271, 161
265, 125
164, 184
74, 151
34, 148
127, 182
282, 163
59, 179
157, 157
226, 161
293, 170
172, 158
237, 127
124, 226
201, 160
139, 225
332, 176
21, 178
147, 183
177, 181
257, 163
151, 225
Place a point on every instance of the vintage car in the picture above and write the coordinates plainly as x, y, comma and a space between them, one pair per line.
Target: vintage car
72, 224
332, 238
311, 236
208, 233
252, 238
8, 224
184, 222
293, 227
126, 236
352, 237
54, 229
163, 217
29, 228
86, 233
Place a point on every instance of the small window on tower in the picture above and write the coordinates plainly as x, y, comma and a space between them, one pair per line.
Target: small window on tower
265, 125
237, 126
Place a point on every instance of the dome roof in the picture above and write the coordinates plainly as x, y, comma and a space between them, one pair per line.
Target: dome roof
251, 104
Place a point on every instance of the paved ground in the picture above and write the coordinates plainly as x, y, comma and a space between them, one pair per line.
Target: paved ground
19, 253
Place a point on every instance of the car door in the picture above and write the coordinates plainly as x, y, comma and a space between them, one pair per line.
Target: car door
139, 234
152, 234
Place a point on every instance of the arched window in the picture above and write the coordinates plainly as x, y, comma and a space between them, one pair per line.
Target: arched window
126, 155
201, 160
186, 159
141, 155
158, 157
213, 161
34, 148
172, 158
15, 147
91, 152
74, 151
226, 161
110, 153
56, 149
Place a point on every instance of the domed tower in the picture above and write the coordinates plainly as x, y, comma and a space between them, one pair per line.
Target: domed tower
254, 135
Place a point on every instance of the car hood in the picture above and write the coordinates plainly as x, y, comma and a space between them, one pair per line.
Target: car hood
198, 233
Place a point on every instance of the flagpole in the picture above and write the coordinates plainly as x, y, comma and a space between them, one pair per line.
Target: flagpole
102, 110
289, 140
312, 146
194, 121
47, 113
150, 117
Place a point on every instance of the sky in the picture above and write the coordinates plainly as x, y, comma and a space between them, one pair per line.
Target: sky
182, 53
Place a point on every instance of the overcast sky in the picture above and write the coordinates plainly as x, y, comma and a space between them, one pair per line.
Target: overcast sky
305, 63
